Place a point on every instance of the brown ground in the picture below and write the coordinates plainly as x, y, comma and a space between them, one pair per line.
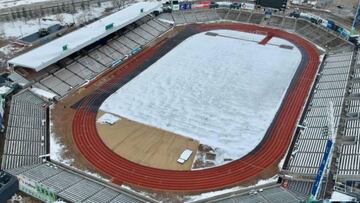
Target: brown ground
146, 145
62, 116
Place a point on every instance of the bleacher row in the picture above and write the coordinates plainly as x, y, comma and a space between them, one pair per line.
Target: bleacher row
312, 32
26, 131
349, 161
72, 186
271, 194
299, 188
310, 144
26, 140
322, 37
61, 79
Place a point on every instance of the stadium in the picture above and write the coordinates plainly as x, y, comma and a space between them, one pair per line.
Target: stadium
192, 105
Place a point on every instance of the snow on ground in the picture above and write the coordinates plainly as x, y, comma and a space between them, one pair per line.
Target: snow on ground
20, 28
4, 90
108, 119
222, 91
166, 21
338, 196
56, 148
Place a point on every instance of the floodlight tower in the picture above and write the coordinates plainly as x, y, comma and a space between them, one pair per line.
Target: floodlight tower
329, 132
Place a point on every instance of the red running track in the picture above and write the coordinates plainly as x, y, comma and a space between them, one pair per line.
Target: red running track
269, 152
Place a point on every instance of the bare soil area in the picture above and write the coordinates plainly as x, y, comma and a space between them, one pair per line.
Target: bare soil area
146, 145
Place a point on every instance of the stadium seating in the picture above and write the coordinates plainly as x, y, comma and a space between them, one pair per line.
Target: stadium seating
276, 21
256, 18
100, 57
160, 26
56, 85
69, 77
125, 40
232, 15
116, 45
152, 31
309, 145
178, 17
166, 16
26, 133
72, 186
110, 52
212, 15
201, 15
271, 193
189, 17
330, 87
80, 70
349, 161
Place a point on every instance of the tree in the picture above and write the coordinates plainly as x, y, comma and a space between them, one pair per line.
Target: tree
81, 18
18, 13
82, 5
42, 13
63, 7
116, 3
60, 17
2, 31
73, 6
24, 13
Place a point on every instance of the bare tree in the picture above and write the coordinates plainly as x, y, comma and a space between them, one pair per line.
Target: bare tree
2, 31
81, 18
60, 17
116, 3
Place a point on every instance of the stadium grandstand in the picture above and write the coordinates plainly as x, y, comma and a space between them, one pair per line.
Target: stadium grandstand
74, 61
62, 66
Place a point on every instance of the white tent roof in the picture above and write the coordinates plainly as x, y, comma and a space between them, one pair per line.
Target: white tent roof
52, 52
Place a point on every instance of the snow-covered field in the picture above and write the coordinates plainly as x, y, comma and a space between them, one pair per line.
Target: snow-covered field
223, 91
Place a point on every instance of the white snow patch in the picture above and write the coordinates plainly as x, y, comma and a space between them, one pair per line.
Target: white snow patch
43, 93
57, 149
7, 50
222, 91
96, 175
4, 90
166, 21
338, 196
108, 119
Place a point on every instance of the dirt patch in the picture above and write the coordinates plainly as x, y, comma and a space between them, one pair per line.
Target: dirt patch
146, 145
62, 116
